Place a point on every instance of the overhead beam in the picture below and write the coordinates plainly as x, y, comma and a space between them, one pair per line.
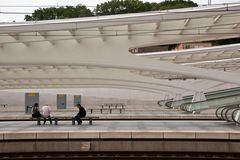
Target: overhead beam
118, 86
102, 33
74, 35
17, 39
97, 21
14, 35
52, 42
235, 26
127, 63
129, 31
216, 19
85, 82
45, 36
157, 28
72, 32
27, 44
208, 28
186, 22
49, 72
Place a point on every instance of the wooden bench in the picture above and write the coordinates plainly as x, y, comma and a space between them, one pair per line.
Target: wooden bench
56, 119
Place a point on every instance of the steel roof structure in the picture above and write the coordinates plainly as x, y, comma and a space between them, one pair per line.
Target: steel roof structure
93, 52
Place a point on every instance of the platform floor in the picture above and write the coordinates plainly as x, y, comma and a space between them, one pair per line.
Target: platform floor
156, 125
123, 129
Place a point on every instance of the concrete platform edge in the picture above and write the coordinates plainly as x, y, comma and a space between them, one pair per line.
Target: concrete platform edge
135, 134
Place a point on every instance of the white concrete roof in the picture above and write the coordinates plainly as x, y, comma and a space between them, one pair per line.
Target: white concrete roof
94, 52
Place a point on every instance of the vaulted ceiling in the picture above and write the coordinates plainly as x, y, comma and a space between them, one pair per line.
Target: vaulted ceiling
94, 52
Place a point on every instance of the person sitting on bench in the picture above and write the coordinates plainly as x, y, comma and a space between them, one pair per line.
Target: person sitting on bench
35, 111
46, 114
81, 113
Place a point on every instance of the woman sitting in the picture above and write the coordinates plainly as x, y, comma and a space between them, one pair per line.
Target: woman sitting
35, 111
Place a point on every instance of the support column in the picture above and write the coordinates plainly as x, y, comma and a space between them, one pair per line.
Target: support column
166, 97
198, 97
177, 101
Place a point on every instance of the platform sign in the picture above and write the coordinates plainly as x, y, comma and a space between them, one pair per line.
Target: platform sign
77, 99
30, 99
61, 101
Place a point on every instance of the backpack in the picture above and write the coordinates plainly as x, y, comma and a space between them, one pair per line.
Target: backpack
82, 112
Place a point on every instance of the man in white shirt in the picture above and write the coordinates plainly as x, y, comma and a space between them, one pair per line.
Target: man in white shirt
46, 113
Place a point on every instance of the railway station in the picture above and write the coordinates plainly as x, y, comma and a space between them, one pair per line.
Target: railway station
140, 103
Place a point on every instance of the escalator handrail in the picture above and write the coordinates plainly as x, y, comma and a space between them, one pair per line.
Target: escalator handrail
216, 112
238, 109
238, 94
226, 113
209, 93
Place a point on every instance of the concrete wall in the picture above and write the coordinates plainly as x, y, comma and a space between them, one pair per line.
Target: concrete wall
17, 99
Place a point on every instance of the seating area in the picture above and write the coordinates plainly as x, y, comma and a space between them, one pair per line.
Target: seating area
108, 108
3, 105
113, 105
65, 118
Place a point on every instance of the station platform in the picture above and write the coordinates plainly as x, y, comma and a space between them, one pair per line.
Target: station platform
161, 136
155, 123
158, 129
110, 133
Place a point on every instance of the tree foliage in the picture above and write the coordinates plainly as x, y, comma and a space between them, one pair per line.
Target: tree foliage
174, 4
120, 6
59, 13
134, 6
107, 8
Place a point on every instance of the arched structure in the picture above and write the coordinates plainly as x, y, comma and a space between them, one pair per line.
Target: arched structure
94, 52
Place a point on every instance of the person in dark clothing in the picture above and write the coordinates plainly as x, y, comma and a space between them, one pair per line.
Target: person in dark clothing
81, 113
35, 111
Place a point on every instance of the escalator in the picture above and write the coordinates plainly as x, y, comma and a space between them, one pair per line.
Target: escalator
209, 95
215, 102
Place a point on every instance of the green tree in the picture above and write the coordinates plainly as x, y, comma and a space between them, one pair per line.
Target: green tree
134, 6
107, 8
174, 4
59, 13
119, 7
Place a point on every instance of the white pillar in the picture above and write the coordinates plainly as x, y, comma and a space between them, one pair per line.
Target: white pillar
198, 97
177, 99
166, 97
209, 2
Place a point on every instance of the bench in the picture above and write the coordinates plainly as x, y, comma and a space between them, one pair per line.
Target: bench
109, 109
4, 105
112, 105
56, 119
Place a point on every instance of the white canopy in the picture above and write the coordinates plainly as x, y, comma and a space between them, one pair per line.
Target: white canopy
94, 52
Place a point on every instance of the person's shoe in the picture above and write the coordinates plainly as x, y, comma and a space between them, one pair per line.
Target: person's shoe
79, 123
